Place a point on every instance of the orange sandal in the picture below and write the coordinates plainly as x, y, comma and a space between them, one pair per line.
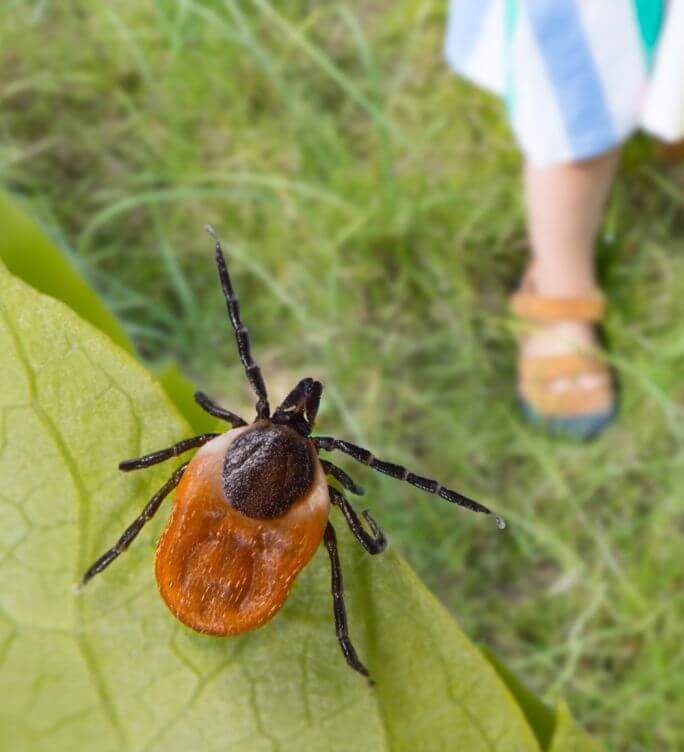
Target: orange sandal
578, 410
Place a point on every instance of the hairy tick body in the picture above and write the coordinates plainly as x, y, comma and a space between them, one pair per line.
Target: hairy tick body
253, 505
267, 470
220, 569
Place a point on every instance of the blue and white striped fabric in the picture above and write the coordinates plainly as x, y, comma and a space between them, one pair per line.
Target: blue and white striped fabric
575, 74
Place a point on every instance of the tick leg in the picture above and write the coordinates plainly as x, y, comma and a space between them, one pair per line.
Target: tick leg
328, 443
374, 544
252, 370
337, 585
166, 454
208, 404
131, 532
339, 475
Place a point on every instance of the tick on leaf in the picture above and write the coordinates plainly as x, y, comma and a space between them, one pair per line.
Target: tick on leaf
253, 505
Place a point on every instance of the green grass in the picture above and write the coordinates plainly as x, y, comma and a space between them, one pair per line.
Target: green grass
371, 205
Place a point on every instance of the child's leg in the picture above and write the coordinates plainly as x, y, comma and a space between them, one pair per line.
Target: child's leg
564, 208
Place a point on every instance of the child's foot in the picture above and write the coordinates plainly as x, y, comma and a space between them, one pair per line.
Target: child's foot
563, 382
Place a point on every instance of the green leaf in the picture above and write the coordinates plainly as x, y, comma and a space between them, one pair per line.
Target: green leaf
556, 732
110, 668
30, 255
539, 715
568, 736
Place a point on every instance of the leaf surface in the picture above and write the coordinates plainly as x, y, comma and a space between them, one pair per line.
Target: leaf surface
111, 669
568, 736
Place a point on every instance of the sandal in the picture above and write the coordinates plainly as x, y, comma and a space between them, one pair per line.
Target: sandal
576, 410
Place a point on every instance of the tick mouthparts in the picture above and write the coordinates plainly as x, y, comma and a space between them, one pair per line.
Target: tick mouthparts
210, 231
500, 522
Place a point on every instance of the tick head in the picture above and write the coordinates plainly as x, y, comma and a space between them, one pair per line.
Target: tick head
298, 410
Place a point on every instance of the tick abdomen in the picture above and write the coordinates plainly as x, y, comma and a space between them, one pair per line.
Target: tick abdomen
221, 571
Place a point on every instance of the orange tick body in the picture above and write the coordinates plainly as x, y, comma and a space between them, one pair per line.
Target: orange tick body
253, 505
221, 571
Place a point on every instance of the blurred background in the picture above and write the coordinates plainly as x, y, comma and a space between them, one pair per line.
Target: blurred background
371, 208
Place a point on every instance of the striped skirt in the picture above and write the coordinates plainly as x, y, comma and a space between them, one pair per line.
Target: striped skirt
578, 76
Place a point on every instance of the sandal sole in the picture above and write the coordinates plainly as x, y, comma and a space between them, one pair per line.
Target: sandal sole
582, 427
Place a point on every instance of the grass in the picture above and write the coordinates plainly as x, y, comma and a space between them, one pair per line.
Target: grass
371, 205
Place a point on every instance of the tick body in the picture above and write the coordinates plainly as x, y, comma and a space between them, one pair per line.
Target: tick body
253, 505
238, 536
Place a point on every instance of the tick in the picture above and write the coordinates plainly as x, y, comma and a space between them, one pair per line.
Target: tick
253, 505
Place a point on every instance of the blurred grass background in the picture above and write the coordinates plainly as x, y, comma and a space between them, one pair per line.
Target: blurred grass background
370, 203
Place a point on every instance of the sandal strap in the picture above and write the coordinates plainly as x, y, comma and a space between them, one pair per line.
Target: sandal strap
549, 368
537, 375
529, 305
578, 401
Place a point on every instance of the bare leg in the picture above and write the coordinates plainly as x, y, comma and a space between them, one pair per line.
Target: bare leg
565, 205
131, 532
337, 586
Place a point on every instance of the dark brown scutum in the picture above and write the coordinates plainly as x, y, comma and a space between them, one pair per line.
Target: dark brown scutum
266, 470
